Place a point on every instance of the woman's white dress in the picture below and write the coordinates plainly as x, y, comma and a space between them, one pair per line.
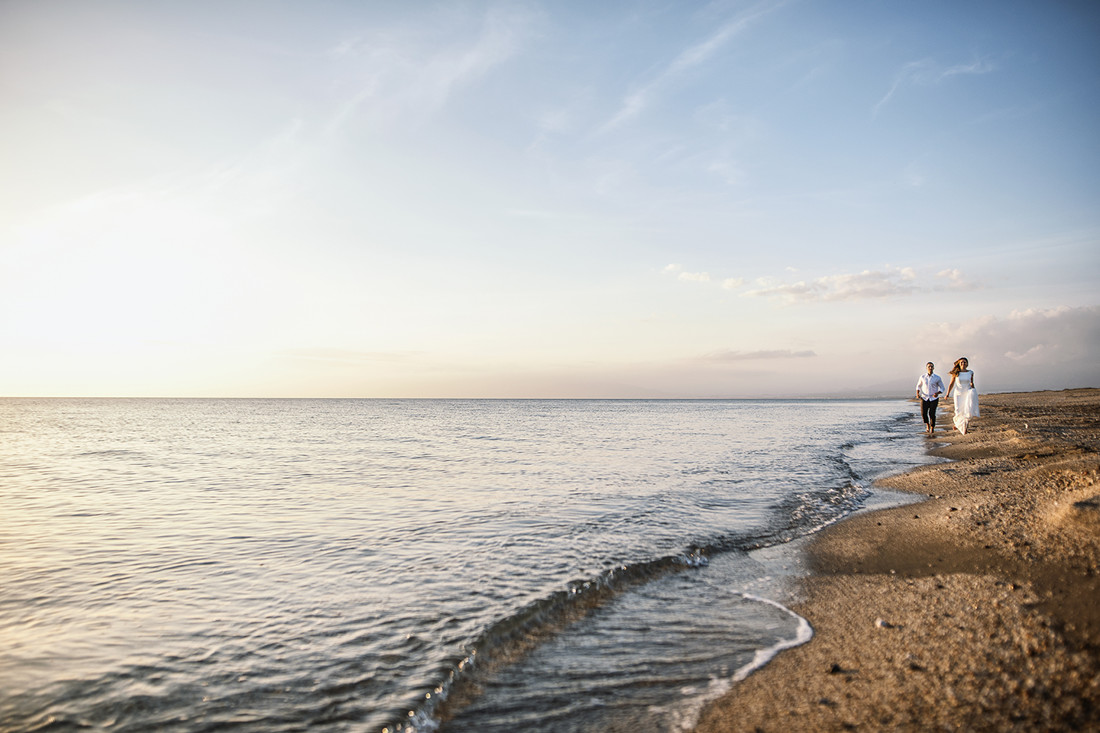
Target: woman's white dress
966, 400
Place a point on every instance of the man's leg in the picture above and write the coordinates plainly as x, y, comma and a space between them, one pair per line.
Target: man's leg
932, 405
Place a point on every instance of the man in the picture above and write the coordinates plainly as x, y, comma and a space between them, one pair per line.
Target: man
929, 389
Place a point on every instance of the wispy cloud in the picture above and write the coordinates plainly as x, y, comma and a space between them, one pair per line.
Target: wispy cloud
399, 72
681, 274
693, 56
928, 72
885, 283
727, 169
980, 66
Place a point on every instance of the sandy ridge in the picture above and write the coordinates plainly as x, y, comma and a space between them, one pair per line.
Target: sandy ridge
977, 609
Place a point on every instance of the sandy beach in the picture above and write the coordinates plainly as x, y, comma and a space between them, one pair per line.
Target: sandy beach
977, 609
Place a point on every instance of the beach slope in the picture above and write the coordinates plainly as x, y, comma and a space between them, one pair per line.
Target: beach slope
977, 609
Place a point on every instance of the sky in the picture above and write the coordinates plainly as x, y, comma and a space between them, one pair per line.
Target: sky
546, 199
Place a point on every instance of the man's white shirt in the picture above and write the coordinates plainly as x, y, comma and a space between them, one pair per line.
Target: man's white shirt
928, 385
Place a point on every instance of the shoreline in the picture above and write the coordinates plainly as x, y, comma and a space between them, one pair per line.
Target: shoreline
977, 608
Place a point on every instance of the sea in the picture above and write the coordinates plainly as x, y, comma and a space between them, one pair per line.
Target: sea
412, 565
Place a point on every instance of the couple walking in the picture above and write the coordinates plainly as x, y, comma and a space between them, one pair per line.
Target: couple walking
930, 387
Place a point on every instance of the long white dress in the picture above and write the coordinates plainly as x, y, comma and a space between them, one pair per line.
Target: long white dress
966, 400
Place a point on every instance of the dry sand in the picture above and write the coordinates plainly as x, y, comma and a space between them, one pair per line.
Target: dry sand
976, 610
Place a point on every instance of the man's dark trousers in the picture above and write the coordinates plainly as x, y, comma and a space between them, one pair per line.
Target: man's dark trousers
928, 411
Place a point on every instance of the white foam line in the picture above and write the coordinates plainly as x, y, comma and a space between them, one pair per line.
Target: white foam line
804, 633
687, 717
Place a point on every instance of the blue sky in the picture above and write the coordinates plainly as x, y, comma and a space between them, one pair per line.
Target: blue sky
546, 199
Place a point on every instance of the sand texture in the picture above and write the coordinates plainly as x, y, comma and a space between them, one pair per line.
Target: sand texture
976, 610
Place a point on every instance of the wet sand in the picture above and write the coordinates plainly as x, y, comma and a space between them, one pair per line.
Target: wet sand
975, 610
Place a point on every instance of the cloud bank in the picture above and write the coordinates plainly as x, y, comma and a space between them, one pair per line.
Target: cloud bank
1030, 349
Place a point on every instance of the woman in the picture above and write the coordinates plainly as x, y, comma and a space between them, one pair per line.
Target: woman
966, 394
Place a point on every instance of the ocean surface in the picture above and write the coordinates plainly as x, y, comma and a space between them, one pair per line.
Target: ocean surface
409, 565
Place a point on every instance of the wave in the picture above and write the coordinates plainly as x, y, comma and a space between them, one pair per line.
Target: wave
798, 515
513, 637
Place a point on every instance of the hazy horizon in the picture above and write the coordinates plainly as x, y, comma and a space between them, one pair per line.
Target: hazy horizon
836, 397
710, 200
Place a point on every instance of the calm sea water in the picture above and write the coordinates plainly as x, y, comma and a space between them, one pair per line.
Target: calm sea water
276, 565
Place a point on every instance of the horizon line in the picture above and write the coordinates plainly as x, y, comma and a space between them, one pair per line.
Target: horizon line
806, 396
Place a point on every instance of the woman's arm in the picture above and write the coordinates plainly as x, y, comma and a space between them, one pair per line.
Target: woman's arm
953, 376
